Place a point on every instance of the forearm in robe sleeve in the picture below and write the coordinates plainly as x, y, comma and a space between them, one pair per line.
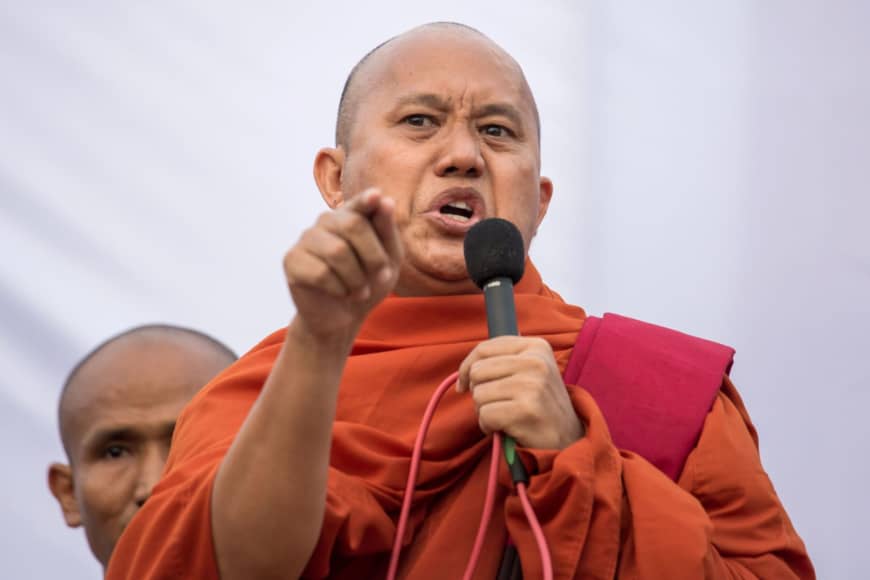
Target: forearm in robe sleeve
608, 513
171, 535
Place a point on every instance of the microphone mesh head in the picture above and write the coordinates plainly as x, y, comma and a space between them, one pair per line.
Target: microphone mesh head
494, 249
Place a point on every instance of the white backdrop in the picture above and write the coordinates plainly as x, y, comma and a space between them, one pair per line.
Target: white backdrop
711, 169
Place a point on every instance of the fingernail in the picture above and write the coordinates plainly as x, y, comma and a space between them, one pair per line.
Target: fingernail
385, 274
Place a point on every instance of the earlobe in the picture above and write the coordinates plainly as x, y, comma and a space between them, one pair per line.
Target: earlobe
60, 482
546, 193
328, 167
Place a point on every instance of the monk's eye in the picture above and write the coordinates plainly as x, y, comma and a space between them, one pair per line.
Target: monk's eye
418, 120
115, 451
496, 131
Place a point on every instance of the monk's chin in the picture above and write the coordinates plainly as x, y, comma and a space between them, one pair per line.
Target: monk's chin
433, 278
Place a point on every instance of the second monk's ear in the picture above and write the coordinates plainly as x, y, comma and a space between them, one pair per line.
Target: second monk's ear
328, 165
60, 482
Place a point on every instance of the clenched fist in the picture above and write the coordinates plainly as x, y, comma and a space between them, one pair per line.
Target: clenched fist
344, 265
517, 389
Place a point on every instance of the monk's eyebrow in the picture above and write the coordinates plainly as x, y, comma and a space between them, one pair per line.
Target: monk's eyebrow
104, 436
430, 100
439, 103
501, 110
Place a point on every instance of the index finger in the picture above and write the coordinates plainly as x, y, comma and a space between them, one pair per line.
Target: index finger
388, 231
379, 209
365, 203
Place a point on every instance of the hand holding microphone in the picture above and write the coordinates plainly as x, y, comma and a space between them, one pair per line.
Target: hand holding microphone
515, 382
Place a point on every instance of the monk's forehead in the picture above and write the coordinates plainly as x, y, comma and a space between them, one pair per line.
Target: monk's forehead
139, 372
453, 49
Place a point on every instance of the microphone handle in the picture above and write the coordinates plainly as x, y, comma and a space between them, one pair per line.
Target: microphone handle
501, 319
501, 316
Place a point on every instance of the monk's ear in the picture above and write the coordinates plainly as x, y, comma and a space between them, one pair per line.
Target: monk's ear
545, 194
62, 486
328, 166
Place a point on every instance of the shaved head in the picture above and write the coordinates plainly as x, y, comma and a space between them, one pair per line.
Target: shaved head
117, 414
363, 75
202, 349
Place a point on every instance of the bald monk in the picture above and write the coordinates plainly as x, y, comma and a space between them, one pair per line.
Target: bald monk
293, 462
117, 413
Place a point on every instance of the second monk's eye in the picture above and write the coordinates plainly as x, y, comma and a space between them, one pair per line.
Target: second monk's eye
114, 451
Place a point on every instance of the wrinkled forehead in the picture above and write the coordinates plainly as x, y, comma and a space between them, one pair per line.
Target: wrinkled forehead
447, 62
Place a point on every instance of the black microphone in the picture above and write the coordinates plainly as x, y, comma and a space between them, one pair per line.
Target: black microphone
495, 259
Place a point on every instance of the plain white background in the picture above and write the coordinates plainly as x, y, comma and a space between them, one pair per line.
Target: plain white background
711, 169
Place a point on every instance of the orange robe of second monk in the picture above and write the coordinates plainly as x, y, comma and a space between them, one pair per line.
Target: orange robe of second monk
605, 513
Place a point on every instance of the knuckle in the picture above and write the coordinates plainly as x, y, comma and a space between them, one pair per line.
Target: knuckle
353, 223
488, 420
488, 347
532, 398
326, 219
474, 372
537, 364
289, 260
505, 339
471, 358
321, 274
482, 424
335, 249
307, 235
377, 260
537, 400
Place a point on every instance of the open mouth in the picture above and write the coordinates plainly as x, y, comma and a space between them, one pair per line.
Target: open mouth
458, 210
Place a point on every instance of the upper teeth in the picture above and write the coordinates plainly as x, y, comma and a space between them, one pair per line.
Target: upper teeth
457, 210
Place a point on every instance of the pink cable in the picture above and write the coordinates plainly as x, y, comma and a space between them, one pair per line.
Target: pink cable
488, 501
543, 549
414, 469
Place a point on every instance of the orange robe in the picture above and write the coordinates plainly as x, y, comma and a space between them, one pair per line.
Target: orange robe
605, 513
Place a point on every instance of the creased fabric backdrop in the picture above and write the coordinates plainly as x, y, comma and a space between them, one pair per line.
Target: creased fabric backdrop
711, 169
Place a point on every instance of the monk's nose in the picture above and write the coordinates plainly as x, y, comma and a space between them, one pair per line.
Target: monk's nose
461, 155
151, 463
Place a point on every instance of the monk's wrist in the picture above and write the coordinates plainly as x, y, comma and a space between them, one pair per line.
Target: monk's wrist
333, 345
